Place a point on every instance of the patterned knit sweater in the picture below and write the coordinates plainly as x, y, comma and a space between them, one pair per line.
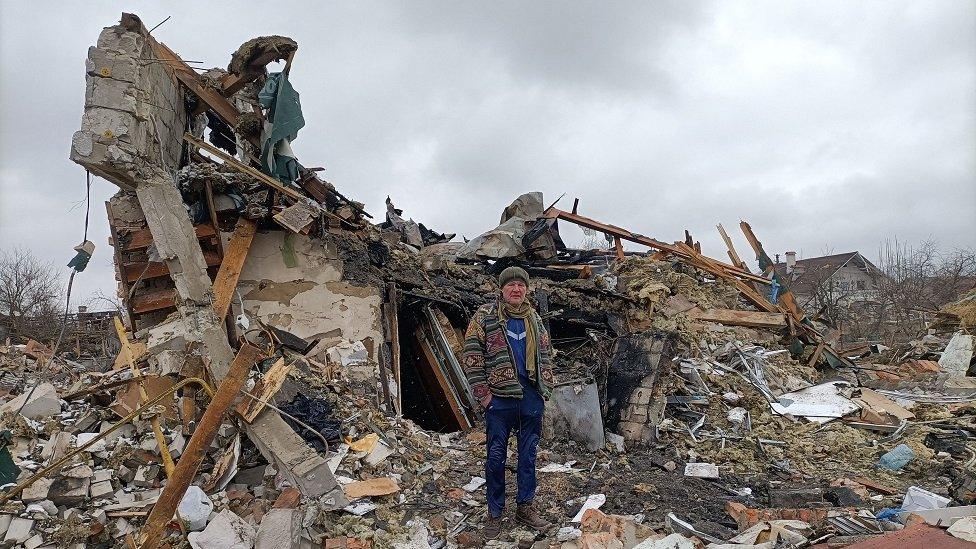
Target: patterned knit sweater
487, 358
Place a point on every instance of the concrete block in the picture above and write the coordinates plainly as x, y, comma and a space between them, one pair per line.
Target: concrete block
226, 531
37, 491
280, 529
5, 523
34, 542
101, 475
575, 410
49, 507
290, 454
957, 355
69, 491
18, 531
101, 489
145, 476
43, 403
123, 527
56, 446
85, 438
125, 498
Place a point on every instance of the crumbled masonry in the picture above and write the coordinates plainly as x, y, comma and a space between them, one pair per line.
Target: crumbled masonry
691, 408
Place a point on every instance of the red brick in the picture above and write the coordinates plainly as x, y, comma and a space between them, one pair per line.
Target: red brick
469, 539
288, 499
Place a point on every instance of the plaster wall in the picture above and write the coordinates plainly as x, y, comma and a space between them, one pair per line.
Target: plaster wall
295, 283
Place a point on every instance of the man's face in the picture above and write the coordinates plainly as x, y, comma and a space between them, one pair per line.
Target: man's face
513, 292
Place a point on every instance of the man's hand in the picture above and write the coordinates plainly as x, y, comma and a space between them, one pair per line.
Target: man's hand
485, 402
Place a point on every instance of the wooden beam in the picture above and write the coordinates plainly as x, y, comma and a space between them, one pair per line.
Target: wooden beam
142, 238
230, 269
718, 269
189, 78
144, 302
618, 248
140, 271
231, 162
816, 355
786, 296
426, 345
731, 317
230, 82
877, 487
264, 390
393, 320
208, 188
624, 234
193, 454
733, 255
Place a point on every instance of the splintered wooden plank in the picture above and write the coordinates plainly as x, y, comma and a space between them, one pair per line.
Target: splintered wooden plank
230, 82
447, 390
177, 484
394, 324
230, 269
139, 271
733, 255
143, 237
786, 296
264, 390
718, 269
731, 317
232, 162
130, 353
624, 234
144, 302
185, 74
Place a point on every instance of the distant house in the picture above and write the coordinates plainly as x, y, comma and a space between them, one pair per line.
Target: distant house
831, 280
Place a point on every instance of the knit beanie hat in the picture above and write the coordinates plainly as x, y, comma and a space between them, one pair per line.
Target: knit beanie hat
513, 273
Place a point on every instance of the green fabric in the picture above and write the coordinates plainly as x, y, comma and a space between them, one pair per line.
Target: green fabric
80, 261
288, 251
8, 469
284, 119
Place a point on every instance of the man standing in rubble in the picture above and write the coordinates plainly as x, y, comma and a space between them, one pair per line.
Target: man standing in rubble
508, 364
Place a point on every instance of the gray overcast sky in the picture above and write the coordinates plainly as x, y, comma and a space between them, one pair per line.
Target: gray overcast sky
826, 125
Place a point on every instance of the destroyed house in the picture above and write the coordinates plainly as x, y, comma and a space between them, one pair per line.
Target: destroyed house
289, 366
222, 236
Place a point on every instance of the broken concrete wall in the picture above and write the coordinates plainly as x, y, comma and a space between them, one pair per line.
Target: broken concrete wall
635, 384
295, 283
134, 111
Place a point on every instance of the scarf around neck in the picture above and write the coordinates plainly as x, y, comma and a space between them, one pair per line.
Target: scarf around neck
526, 313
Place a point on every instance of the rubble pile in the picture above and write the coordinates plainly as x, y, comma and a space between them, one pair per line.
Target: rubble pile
289, 368
725, 460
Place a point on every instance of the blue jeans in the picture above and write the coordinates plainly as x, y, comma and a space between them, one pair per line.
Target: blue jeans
504, 415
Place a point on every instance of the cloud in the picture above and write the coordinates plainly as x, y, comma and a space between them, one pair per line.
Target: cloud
828, 125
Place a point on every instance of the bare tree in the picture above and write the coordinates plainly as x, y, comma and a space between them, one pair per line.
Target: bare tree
100, 301
30, 295
919, 281
825, 297
593, 240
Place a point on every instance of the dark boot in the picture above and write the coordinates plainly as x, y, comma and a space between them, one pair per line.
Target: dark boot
492, 528
528, 515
